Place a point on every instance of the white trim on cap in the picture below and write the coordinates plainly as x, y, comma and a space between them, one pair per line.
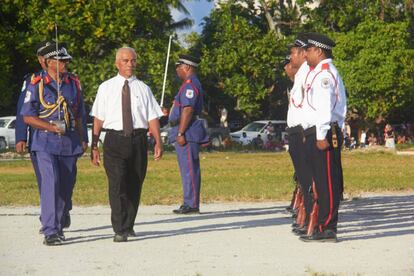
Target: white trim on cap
43, 47
56, 54
300, 42
189, 62
319, 44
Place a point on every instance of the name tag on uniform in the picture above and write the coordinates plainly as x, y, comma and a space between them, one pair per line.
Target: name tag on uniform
189, 93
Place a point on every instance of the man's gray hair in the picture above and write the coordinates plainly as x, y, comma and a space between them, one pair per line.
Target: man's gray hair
123, 49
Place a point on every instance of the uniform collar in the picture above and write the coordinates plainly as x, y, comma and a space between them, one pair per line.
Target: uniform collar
121, 78
324, 61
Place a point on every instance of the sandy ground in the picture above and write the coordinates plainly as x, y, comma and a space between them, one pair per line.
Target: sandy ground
376, 237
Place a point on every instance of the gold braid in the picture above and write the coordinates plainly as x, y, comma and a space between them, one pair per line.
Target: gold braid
51, 108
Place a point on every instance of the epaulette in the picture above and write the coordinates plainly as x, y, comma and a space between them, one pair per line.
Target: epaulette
325, 66
35, 79
47, 79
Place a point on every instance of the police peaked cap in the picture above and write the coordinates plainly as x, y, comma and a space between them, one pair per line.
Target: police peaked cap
189, 60
49, 51
301, 41
40, 48
320, 41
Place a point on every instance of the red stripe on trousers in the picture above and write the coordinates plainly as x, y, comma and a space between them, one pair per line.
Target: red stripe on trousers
328, 164
190, 167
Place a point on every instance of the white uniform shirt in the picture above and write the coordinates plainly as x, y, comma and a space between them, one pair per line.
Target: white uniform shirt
108, 103
325, 99
295, 112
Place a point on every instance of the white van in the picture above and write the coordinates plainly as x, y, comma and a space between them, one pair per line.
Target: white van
256, 128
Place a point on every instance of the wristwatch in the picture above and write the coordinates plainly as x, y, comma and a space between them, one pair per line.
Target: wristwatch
180, 134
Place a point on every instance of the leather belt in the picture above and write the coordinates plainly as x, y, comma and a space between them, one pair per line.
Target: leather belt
294, 130
309, 131
135, 132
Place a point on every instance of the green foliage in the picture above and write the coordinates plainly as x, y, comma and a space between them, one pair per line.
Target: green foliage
238, 58
92, 30
377, 66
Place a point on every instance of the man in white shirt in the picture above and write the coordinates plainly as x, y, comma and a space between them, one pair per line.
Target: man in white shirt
324, 116
295, 130
126, 108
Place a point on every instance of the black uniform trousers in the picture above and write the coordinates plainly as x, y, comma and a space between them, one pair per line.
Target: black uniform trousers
302, 169
125, 162
327, 175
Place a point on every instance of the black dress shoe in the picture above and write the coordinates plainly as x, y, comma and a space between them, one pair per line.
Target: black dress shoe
185, 209
327, 235
66, 220
120, 238
61, 236
131, 233
52, 240
299, 231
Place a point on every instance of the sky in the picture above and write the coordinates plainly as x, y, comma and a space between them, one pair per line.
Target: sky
198, 9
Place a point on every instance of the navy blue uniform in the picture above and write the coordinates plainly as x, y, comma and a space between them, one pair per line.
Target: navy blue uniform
56, 154
190, 94
23, 132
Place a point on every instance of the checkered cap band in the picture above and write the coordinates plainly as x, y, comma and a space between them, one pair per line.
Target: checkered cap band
61, 54
319, 44
186, 61
300, 43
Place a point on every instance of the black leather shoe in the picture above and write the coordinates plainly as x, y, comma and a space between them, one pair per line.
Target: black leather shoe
131, 233
66, 223
61, 236
120, 238
327, 235
52, 240
185, 209
299, 231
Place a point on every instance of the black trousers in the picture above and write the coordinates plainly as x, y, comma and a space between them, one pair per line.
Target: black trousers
302, 169
125, 162
327, 174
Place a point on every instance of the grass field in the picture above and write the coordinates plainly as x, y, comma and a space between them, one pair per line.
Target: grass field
226, 176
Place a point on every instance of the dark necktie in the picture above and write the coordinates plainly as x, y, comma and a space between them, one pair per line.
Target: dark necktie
126, 109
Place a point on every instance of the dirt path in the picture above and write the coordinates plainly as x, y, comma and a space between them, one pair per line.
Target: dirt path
376, 237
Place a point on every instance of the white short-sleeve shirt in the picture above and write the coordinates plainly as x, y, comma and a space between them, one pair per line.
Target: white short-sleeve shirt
107, 106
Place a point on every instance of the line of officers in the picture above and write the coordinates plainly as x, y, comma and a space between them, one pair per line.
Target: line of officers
51, 109
315, 119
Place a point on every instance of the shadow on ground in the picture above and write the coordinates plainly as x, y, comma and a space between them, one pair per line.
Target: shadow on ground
360, 218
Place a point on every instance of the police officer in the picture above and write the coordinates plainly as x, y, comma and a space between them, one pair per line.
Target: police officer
53, 106
23, 132
295, 119
188, 132
325, 111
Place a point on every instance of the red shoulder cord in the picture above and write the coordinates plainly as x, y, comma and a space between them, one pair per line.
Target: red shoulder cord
325, 67
303, 96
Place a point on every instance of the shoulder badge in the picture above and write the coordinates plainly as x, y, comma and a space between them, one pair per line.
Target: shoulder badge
325, 82
325, 66
27, 97
189, 93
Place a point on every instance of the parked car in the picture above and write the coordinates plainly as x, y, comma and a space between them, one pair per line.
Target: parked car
256, 128
7, 136
101, 136
216, 134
